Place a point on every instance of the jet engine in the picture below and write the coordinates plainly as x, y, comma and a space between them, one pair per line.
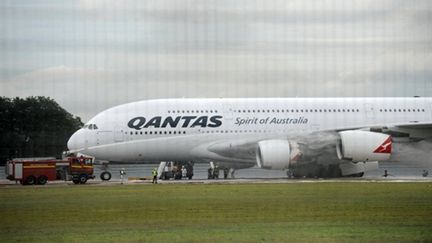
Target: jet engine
277, 154
363, 146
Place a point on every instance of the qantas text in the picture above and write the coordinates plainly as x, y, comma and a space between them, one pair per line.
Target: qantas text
140, 122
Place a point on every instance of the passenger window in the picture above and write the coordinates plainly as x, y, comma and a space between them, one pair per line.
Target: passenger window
95, 127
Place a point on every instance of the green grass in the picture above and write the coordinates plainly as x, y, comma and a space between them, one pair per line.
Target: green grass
324, 212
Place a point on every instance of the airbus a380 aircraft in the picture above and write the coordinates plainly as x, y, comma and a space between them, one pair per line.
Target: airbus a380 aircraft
323, 137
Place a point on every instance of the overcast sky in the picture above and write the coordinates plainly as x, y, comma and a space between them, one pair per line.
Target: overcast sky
91, 55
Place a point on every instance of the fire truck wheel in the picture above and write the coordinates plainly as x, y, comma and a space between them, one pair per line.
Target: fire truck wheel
30, 180
83, 179
105, 176
42, 180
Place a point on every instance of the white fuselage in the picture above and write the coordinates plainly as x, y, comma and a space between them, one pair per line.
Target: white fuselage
184, 129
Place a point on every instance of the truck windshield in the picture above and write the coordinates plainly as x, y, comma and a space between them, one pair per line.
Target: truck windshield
88, 161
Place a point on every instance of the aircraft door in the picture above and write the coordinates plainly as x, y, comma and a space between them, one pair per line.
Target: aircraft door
430, 109
118, 134
370, 112
227, 111
103, 137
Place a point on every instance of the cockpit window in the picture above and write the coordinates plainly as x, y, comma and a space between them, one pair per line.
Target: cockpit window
90, 126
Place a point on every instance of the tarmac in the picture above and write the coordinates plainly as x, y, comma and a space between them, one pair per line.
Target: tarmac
140, 174
145, 181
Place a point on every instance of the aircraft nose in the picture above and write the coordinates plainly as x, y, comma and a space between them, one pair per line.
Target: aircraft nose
74, 142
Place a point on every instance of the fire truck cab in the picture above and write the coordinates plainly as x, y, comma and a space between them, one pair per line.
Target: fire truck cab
76, 169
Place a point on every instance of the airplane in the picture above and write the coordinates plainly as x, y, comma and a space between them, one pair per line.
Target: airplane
308, 137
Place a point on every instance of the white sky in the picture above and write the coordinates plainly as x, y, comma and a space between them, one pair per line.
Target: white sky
91, 55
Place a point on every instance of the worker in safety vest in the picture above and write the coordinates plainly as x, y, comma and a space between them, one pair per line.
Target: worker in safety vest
155, 174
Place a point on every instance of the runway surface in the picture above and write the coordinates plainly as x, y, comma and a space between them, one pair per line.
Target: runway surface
398, 173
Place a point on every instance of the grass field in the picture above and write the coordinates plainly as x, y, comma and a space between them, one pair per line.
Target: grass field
218, 213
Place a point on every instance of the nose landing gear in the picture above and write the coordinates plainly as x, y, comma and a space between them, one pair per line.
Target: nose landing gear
105, 175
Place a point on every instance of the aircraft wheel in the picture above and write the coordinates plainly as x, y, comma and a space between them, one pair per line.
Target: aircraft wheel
105, 176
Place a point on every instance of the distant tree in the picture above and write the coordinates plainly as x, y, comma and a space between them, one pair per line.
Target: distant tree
34, 127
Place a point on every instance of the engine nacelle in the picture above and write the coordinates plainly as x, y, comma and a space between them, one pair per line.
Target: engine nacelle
363, 146
276, 154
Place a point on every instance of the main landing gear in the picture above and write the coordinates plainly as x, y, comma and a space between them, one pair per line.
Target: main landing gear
214, 170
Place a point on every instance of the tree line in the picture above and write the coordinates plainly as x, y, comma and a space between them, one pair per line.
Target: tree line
34, 127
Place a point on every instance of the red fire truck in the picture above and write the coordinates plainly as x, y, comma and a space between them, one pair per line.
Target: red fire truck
30, 171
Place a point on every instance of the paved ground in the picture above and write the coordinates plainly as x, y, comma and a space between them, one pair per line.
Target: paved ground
135, 181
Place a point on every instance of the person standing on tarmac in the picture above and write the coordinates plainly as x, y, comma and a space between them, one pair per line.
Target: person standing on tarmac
155, 174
